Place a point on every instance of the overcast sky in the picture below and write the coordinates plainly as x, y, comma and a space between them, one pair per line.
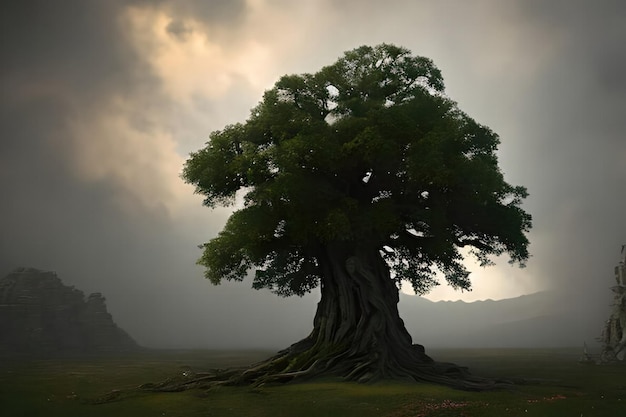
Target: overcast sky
101, 102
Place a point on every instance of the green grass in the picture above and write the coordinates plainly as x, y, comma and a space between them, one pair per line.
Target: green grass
560, 387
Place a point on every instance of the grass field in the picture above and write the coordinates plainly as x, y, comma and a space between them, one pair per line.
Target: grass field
557, 386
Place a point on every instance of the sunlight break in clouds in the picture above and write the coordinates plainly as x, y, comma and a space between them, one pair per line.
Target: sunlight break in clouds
191, 63
490, 282
143, 162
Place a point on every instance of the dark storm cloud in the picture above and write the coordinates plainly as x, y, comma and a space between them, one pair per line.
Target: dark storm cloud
179, 29
61, 62
69, 63
75, 47
212, 14
58, 61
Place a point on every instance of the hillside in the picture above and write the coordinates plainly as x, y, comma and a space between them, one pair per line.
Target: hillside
543, 319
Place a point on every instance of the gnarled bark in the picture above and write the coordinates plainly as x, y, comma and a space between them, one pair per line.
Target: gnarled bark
358, 333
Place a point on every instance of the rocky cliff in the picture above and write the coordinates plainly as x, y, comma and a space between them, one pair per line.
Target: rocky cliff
39, 315
614, 333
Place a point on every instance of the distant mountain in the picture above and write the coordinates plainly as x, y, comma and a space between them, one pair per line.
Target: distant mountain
40, 316
544, 319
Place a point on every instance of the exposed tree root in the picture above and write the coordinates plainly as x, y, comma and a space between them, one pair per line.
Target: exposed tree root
300, 363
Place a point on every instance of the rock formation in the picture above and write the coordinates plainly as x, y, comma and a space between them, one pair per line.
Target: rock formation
41, 316
613, 337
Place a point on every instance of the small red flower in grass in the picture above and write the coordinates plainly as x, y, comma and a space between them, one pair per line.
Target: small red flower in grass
548, 399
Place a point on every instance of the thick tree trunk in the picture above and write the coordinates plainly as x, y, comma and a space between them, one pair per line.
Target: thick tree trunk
358, 333
358, 316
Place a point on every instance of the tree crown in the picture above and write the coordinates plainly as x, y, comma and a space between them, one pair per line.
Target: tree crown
370, 151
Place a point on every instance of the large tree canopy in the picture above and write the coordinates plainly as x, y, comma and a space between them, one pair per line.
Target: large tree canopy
368, 150
356, 179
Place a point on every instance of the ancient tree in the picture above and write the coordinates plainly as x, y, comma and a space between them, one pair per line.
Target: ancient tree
356, 179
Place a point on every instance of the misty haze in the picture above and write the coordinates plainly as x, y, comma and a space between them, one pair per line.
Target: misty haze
104, 104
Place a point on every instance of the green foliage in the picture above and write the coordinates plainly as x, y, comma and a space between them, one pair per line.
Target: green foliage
368, 150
